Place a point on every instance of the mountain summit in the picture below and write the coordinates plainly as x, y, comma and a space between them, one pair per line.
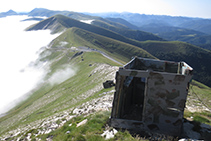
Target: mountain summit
8, 13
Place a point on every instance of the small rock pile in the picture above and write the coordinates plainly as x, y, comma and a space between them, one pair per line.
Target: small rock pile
103, 103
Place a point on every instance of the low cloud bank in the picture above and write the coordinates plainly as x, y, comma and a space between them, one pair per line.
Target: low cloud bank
18, 50
62, 75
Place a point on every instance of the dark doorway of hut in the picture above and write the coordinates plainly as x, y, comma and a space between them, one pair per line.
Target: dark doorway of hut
134, 88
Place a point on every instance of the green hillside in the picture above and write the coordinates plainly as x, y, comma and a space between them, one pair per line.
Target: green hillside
54, 109
196, 57
52, 98
132, 34
50, 112
171, 33
58, 23
121, 51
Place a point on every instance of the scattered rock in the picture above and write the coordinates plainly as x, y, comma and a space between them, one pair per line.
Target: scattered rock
68, 132
108, 84
77, 54
188, 132
108, 134
82, 123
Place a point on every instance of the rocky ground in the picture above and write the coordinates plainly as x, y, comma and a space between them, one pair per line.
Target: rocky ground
51, 123
191, 130
103, 103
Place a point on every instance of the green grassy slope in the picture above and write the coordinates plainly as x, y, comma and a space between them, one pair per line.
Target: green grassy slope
119, 50
196, 57
92, 69
201, 92
49, 98
58, 23
132, 34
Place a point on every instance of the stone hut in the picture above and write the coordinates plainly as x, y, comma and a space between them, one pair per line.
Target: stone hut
151, 95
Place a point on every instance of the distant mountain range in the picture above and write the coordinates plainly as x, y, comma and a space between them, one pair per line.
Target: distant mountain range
100, 37
126, 31
196, 31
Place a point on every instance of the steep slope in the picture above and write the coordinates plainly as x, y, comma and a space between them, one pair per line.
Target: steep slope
123, 22
116, 49
179, 34
54, 110
196, 57
176, 51
192, 30
58, 23
132, 34
202, 25
52, 97
108, 23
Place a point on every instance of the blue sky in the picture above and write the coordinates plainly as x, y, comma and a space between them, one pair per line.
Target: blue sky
190, 8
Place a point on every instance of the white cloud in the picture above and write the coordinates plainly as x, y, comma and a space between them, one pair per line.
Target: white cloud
18, 49
62, 75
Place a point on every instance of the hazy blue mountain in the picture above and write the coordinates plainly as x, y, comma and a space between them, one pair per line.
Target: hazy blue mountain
8, 13
58, 23
49, 13
192, 30
161, 49
124, 22
203, 25
179, 34
198, 24
142, 19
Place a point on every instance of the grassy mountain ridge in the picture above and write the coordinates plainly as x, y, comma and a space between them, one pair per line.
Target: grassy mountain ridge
202, 25
178, 51
170, 28
47, 113
133, 34
48, 13
166, 50
54, 104
59, 22
179, 34
116, 49
124, 22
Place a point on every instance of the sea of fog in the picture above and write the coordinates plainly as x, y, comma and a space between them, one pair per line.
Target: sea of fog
18, 49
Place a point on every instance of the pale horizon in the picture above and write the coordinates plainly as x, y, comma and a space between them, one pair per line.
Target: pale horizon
185, 8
